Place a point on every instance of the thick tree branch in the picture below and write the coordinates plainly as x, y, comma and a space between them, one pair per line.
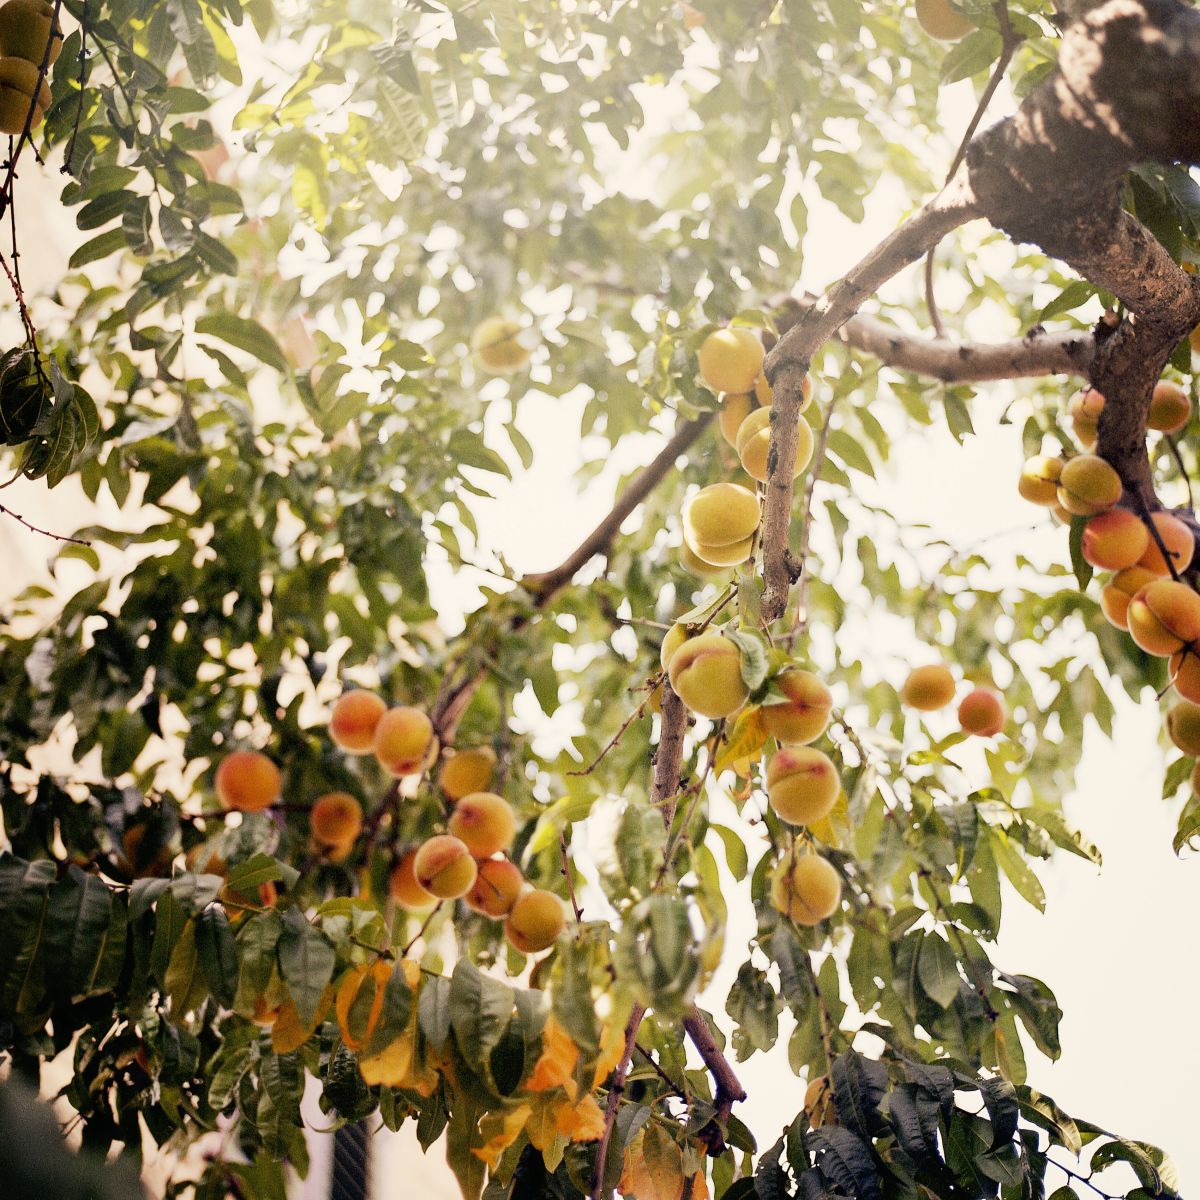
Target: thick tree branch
728, 1089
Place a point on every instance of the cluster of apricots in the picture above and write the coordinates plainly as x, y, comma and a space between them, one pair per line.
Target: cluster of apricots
981, 712
29, 37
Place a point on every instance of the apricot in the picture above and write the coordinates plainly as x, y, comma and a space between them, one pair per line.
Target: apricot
443, 866
27, 27
330, 852
819, 1103
484, 823
403, 886
404, 741
1185, 674
765, 394
754, 444
336, 819
982, 712
354, 719
247, 781
724, 557
1183, 726
928, 688
731, 359
706, 673
1088, 486
705, 570
734, 410
1117, 593
804, 715
467, 771
19, 84
1084, 410
535, 921
1115, 540
802, 784
942, 21
1170, 407
1178, 539
496, 888
1039, 480
1164, 616
721, 514
496, 344
675, 638
806, 890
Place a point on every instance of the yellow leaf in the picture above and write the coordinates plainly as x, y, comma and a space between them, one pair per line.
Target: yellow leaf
582, 1122
287, 1033
355, 1024
612, 1049
825, 830
556, 1066
745, 739
501, 1129
391, 1065
653, 1167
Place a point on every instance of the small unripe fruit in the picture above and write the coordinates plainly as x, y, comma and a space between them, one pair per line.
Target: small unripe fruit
722, 557
802, 718
731, 359
706, 674
496, 344
807, 890
1117, 593
802, 784
754, 444
1039, 480
928, 688
354, 719
1115, 540
1088, 486
734, 410
336, 819
1170, 408
982, 712
247, 781
1184, 673
484, 823
941, 21
693, 563
467, 771
404, 741
1084, 410
1164, 617
1179, 541
720, 515
496, 888
675, 638
403, 886
1183, 726
535, 921
444, 867
26, 27
765, 394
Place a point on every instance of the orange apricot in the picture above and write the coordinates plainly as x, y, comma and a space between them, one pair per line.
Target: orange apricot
444, 867
467, 771
1164, 616
496, 888
928, 688
247, 781
405, 743
1117, 593
355, 716
982, 712
1185, 674
802, 784
336, 819
484, 823
535, 921
1183, 726
1115, 539
801, 718
403, 886
819, 1104
1178, 539
1170, 407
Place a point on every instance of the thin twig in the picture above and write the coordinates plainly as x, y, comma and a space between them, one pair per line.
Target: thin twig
420, 932
566, 870
1187, 479
652, 684
661, 1073
58, 537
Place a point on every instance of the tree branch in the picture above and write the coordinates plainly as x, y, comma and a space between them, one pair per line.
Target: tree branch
616, 1089
728, 1090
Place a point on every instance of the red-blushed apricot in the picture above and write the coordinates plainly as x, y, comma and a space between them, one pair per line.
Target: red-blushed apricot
706, 673
720, 515
336, 818
754, 445
355, 716
1179, 541
819, 1104
982, 712
806, 889
801, 718
675, 638
1039, 480
496, 888
535, 921
1164, 617
484, 823
247, 781
404, 741
1120, 589
1088, 486
1170, 407
28, 29
764, 393
1183, 726
730, 359
802, 784
705, 570
734, 410
444, 867
1084, 410
1115, 540
467, 771
403, 886
928, 688
1184, 673
496, 344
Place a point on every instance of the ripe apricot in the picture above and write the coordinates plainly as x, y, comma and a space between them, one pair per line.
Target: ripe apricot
804, 715
982, 712
404, 741
444, 867
724, 557
1184, 673
484, 823
705, 570
675, 638
1170, 407
336, 819
1088, 486
496, 888
942, 21
720, 515
1115, 540
496, 344
754, 443
731, 359
19, 85
819, 1103
706, 673
734, 410
1164, 616
26, 28
765, 394
802, 784
354, 719
247, 781
1117, 593
806, 890
1183, 726
928, 688
467, 771
535, 921
403, 886
1039, 480
1084, 410
1178, 539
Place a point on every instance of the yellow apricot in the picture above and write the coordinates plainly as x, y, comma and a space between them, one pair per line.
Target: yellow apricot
734, 410
467, 771
354, 719
754, 444
247, 781
484, 823
1117, 593
802, 784
535, 921
403, 886
404, 741
706, 673
1088, 486
720, 515
1039, 480
1178, 539
731, 359
18, 86
693, 563
496, 343
1185, 674
26, 28
819, 1103
942, 21
1084, 410
1164, 616
765, 394
496, 888
982, 712
801, 718
444, 867
724, 557
675, 638
1170, 407
1183, 726
806, 890
928, 688
1115, 540
336, 819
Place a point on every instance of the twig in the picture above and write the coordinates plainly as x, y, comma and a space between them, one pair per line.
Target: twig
616, 1088
420, 932
58, 537
566, 870
661, 1073
652, 684
1168, 556
728, 1090
931, 304
1187, 479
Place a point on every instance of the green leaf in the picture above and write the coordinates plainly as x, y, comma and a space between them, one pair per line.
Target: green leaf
1018, 870
245, 334
1079, 564
306, 960
938, 970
